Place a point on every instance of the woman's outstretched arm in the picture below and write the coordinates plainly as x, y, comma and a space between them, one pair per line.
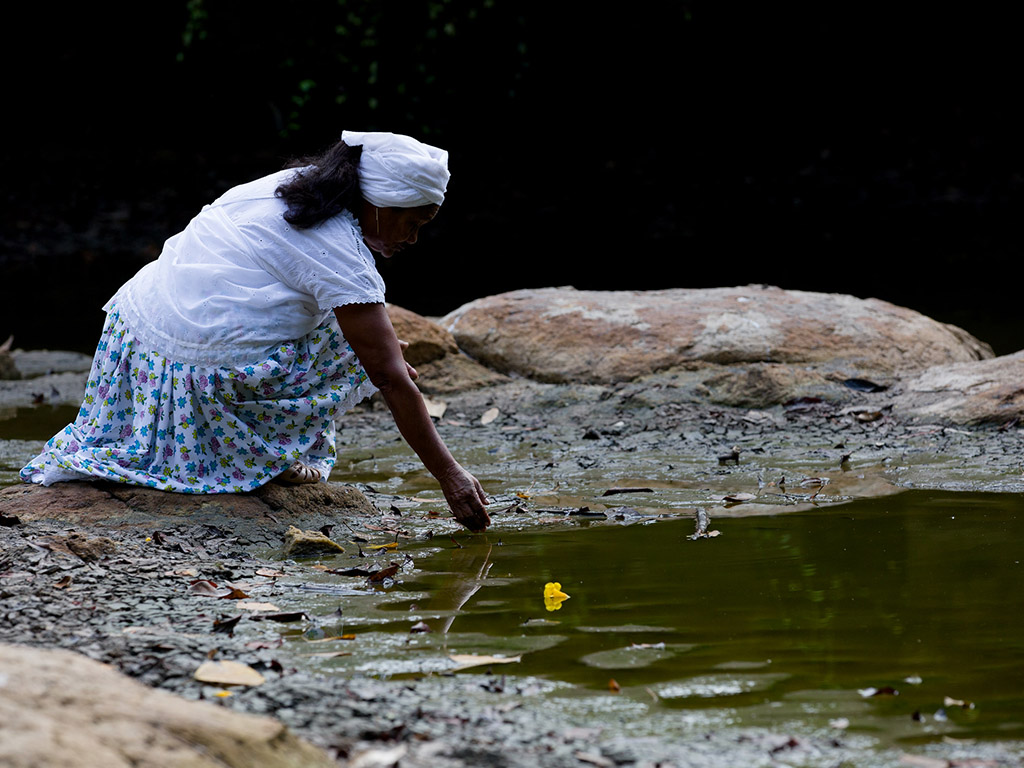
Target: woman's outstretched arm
368, 329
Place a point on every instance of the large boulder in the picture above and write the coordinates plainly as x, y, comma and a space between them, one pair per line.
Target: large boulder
601, 337
442, 367
58, 708
122, 505
986, 392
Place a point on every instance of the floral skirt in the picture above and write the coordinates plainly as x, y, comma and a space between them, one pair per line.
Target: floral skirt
154, 422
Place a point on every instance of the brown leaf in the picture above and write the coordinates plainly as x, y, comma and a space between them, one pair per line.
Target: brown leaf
226, 626
613, 686
383, 573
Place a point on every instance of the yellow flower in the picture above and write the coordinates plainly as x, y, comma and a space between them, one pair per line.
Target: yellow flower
554, 596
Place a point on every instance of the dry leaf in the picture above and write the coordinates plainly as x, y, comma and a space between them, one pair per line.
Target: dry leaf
228, 673
489, 415
738, 498
250, 606
465, 661
613, 686
389, 545
435, 408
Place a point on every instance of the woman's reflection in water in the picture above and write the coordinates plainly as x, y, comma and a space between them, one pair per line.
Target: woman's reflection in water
468, 569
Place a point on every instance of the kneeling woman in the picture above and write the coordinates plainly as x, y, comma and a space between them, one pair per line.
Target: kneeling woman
223, 364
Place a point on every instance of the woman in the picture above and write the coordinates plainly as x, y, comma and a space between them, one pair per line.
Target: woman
223, 363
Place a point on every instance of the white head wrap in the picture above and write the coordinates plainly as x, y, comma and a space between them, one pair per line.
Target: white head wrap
397, 171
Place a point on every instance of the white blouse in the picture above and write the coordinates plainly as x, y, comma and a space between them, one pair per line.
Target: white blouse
239, 280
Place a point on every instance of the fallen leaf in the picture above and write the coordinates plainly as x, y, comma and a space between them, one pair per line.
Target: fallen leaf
250, 606
923, 762
328, 654
207, 588
489, 415
271, 572
435, 408
613, 686
739, 498
948, 701
228, 673
281, 617
615, 491
382, 574
465, 661
226, 626
885, 690
389, 545
63, 583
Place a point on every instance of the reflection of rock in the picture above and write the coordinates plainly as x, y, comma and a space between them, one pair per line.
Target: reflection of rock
965, 393
561, 334
432, 351
60, 708
310, 506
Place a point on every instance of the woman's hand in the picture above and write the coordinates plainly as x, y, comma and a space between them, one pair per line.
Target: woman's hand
466, 498
368, 330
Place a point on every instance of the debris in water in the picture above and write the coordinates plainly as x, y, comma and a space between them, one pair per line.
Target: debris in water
703, 521
554, 596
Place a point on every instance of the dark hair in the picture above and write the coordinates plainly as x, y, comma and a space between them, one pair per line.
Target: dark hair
325, 189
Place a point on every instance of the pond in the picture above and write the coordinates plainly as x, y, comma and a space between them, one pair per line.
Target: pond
900, 618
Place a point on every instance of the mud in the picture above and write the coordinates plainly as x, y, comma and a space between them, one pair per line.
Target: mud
128, 597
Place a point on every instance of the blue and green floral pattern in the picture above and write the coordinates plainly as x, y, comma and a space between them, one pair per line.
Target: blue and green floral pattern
154, 422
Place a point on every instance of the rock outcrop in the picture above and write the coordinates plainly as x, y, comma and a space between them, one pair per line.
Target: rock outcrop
119, 504
562, 335
989, 391
442, 366
58, 708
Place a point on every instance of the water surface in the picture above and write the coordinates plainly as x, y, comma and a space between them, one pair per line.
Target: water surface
786, 619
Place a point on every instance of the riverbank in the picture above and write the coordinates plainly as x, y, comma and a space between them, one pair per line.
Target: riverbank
140, 599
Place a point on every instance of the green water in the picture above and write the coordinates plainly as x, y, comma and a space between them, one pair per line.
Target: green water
780, 619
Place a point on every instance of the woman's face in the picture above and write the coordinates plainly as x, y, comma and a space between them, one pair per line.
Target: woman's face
388, 230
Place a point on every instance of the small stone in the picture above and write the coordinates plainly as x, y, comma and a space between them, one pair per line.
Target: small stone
298, 543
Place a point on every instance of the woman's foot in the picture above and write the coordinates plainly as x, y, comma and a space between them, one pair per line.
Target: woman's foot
298, 474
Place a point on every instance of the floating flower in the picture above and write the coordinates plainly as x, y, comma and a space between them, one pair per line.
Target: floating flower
554, 596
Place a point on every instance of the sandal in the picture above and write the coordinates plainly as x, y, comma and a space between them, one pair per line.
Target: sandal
298, 474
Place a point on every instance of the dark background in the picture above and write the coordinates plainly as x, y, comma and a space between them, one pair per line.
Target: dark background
856, 148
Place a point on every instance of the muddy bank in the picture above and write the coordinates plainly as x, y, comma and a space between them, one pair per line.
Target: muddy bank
155, 600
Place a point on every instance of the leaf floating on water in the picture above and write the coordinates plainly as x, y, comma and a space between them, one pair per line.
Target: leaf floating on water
228, 673
465, 661
948, 701
489, 415
885, 690
389, 545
